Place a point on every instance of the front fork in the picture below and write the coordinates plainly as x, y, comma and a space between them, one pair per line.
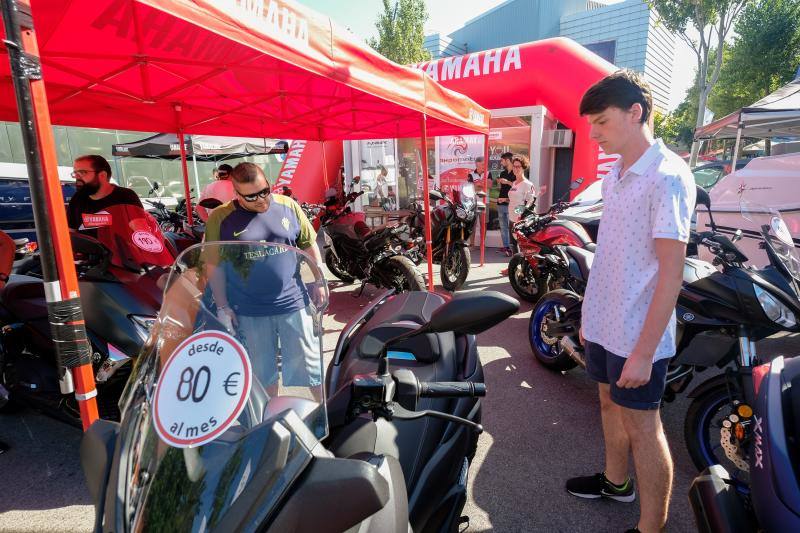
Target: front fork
748, 359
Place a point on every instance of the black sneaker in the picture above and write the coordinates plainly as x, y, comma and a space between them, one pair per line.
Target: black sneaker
597, 486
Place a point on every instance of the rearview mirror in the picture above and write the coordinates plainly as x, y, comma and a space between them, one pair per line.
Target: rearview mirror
436, 195
705, 200
472, 313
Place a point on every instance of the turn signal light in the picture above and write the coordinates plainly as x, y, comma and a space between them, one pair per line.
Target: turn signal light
745, 411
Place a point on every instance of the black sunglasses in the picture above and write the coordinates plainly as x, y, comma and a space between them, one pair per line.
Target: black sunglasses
253, 197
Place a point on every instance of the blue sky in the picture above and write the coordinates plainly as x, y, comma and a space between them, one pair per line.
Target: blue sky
360, 15
448, 15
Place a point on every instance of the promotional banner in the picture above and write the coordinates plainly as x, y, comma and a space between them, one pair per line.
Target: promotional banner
302, 170
554, 73
457, 155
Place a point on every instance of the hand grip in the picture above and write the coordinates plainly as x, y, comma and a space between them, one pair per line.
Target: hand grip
451, 389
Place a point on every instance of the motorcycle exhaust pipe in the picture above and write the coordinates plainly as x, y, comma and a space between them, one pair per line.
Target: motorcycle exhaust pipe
573, 350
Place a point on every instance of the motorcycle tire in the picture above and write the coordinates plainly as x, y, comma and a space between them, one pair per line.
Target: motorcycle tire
403, 267
519, 271
462, 258
334, 266
702, 436
546, 350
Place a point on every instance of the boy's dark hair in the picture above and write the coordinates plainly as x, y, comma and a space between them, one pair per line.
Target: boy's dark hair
507, 155
621, 89
247, 173
98, 162
226, 167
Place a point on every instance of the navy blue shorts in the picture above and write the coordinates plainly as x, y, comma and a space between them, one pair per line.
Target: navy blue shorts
605, 367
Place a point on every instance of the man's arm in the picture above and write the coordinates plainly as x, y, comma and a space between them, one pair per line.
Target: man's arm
313, 250
670, 253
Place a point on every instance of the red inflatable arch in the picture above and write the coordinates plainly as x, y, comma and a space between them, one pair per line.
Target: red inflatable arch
553, 72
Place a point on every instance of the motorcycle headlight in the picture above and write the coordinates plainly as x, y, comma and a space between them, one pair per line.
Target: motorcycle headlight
775, 310
143, 325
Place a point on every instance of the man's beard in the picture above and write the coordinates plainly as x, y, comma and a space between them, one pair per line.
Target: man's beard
90, 188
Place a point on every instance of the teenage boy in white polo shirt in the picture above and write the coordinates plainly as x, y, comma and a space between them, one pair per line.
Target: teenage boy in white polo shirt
629, 307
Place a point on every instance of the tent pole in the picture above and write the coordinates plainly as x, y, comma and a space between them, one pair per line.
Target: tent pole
325, 168
73, 351
427, 200
736, 146
196, 174
485, 213
187, 193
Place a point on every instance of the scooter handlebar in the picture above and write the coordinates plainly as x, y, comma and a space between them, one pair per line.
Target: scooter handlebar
451, 389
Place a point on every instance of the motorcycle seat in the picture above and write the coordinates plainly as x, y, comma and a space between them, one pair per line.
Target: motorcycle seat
23, 296
583, 258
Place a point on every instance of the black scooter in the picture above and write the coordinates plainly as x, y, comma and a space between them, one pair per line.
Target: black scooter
119, 306
724, 314
773, 501
273, 468
435, 454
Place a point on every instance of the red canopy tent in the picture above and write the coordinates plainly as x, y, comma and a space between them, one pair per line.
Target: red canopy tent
257, 68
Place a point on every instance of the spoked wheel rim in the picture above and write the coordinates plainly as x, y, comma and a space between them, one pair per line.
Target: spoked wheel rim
452, 266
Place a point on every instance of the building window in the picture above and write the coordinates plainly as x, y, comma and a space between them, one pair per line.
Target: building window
605, 49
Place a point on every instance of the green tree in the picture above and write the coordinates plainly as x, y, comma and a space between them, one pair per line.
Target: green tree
764, 55
712, 21
400, 31
677, 128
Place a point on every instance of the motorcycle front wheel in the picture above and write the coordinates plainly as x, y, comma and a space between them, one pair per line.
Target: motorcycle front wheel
523, 280
546, 349
455, 268
702, 432
336, 267
403, 274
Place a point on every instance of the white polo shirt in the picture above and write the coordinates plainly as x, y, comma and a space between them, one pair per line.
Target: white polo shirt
654, 199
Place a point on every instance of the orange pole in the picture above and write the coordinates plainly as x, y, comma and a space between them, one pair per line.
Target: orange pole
325, 168
185, 169
427, 201
62, 292
485, 213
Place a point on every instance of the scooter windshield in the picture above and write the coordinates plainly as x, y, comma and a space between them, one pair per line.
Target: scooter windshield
776, 233
236, 349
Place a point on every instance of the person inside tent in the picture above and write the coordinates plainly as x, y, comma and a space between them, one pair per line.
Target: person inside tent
96, 193
220, 189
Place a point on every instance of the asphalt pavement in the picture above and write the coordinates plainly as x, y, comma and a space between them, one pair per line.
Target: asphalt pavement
541, 427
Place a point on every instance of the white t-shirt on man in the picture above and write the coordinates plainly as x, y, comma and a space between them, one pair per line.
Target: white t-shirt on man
654, 199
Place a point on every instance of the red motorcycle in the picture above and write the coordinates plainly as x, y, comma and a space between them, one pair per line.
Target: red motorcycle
536, 235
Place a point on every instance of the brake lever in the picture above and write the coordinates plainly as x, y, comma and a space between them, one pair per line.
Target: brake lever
395, 410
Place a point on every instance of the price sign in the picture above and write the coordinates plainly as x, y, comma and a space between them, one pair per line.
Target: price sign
147, 242
203, 388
